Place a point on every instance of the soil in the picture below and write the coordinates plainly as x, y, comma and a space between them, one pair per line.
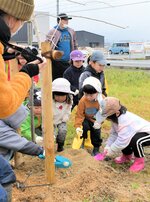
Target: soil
87, 180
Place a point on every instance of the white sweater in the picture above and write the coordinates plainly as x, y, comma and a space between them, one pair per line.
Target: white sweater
61, 112
128, 125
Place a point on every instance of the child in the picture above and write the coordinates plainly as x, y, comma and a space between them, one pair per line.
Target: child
86, 110
11, 141
62, 103
73, 73
95, 68
129, 133
37, 110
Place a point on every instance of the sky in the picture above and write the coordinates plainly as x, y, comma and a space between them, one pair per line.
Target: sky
130, 19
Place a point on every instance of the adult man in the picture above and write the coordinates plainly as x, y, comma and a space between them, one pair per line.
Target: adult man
62, 38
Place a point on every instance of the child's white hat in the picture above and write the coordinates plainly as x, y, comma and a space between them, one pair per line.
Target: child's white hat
93, 82
61, 85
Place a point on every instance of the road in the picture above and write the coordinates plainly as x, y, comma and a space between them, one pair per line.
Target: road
135, 61
143, 64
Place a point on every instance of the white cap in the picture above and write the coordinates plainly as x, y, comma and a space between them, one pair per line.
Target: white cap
61, 85
93, 82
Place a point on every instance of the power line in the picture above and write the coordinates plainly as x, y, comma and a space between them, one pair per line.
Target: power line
97, 8
105, 22
84, 17
121, 5
76, 2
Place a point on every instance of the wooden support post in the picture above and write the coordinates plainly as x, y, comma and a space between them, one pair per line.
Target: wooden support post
47, 117
13, 65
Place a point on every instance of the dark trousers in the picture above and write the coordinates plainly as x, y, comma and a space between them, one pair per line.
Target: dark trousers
95, 134
138, 141
58, 68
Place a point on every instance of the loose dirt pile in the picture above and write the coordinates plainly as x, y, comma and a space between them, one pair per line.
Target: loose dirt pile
86, 181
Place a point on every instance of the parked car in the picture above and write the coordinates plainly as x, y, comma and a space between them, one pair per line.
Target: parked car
119, 48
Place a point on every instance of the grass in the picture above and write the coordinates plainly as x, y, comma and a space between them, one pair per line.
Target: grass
131, 87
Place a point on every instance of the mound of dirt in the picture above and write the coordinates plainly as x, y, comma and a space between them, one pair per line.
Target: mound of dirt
87, 180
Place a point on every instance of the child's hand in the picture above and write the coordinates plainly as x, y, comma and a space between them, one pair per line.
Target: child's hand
39, 140
79, 131
42, 156
96, 125
108, 151
76, 92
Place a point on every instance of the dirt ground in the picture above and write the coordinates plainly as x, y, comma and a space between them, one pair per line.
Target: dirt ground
86, 181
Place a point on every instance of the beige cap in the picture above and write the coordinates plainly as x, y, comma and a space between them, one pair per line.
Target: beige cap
108, 106
20, 9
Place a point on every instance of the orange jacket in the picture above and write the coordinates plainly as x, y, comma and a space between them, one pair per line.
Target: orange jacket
86, 109
12, 93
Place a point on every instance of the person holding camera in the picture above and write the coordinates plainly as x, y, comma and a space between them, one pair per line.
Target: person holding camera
13, 14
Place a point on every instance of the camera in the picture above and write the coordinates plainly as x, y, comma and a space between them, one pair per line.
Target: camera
30, 54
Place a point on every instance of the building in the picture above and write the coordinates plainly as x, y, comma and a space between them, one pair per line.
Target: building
88, 39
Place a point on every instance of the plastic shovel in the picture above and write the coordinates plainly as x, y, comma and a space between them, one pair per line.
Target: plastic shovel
77, 141
62, 162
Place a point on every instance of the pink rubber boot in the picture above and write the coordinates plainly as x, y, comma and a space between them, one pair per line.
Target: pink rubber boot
138, 165
123, 159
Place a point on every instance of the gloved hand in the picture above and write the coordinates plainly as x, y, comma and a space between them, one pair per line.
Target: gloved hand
65, 118
79, 131
42, 156
76, 92
39, 140
96, 125
108, 151
33, 68
30, 69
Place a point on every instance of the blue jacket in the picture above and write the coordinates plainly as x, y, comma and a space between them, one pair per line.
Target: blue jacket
10, 141
3, 194
7, 176
6, 173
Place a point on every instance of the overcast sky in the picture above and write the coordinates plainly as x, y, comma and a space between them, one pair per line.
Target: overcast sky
135, 18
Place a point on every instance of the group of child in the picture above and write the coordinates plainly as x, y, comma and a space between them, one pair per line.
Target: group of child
129, 132
86, 89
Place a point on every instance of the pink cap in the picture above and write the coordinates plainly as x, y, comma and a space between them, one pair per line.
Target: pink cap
76, 55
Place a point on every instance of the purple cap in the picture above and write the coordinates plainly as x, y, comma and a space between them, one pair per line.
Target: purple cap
76, 55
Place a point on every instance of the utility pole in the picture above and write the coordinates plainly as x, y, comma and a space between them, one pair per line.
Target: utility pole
57, 7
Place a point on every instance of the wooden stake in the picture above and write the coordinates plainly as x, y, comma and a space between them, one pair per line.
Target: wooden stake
47, 117
13, 65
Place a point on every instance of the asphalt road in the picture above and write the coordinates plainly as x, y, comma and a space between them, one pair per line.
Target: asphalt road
135, 61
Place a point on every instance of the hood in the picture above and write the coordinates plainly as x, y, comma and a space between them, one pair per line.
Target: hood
17, 118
